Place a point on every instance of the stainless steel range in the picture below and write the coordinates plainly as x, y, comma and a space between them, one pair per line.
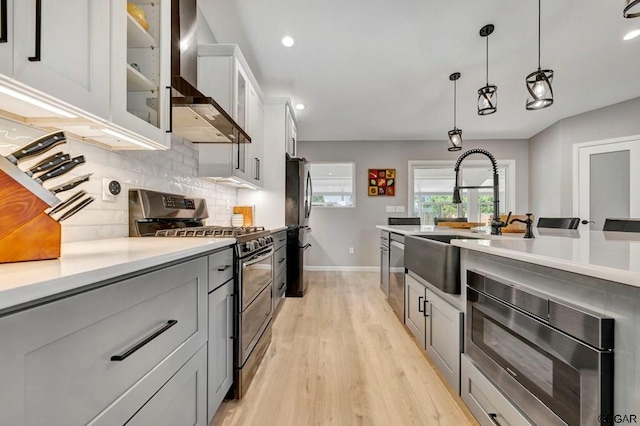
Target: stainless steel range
159, 214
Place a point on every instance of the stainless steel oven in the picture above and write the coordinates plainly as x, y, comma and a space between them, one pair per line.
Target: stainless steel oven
254, 285
254, 312
553, 360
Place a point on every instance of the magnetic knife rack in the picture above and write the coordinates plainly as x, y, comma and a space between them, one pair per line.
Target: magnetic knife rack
26, 231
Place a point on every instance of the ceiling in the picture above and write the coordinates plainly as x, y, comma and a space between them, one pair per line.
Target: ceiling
379, 69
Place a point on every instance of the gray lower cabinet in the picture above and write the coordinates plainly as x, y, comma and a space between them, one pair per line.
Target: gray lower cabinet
220, 346
97, 357
485, 401
444, 335
437, 327
414, 314
279, 287
179, 401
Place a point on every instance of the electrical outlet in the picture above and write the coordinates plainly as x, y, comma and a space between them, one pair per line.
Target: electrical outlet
110, 188
391, 209
400, 209
228, 205
351, 250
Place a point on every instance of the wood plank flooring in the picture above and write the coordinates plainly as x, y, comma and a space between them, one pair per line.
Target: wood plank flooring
339, 356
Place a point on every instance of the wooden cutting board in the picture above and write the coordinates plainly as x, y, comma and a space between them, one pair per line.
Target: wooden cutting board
247, 214
461, 225
516, 227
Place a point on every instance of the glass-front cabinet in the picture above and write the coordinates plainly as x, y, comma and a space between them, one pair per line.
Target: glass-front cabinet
141, 68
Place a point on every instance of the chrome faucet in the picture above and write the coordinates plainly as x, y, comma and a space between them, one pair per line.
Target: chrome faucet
496, 223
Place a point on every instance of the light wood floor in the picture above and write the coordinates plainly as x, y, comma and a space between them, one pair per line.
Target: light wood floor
339, 356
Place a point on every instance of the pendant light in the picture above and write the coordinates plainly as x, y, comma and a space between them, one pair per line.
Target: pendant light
539, 82
631, 9
455, 135
488, 95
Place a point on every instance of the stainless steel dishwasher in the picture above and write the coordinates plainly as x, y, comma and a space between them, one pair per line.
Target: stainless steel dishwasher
384, 263
396, 275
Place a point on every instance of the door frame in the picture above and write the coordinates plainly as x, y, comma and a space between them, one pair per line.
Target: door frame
576, 163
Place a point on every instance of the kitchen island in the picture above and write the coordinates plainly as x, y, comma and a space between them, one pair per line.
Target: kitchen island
597, 275
128, 330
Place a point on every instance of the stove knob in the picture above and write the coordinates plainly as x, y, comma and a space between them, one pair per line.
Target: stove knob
269, 239
261, 242
247, 246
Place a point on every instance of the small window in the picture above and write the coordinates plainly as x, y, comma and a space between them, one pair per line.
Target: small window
333, 184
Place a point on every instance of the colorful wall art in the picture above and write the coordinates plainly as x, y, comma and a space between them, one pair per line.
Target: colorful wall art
382, 182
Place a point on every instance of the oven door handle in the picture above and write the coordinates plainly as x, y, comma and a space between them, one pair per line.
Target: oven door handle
257, 259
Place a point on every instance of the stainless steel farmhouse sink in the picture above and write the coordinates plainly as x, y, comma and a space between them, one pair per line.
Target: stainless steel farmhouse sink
433, 258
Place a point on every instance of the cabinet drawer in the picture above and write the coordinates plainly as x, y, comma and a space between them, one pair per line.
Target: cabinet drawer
487, 403
279, 288
60, 369
279, 239
220, 268
182, 400
279, 260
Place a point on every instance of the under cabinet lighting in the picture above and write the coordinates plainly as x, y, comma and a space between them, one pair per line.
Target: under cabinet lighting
36, 102
288, 41
631, 35
119, 135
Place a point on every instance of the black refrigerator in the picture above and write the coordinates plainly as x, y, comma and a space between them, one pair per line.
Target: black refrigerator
299, 191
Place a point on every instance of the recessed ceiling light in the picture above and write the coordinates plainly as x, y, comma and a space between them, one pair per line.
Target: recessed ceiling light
632, 34
300, 106
288, 41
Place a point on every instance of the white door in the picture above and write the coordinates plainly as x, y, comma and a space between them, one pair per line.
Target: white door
65, 53
608, 181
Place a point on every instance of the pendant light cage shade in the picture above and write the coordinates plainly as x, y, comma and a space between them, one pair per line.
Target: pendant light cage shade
631, 9
539, 83
487, 95
539, 86
455, 140
487, 100
455, 135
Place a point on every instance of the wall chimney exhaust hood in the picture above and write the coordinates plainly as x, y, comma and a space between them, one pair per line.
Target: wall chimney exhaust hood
194, 116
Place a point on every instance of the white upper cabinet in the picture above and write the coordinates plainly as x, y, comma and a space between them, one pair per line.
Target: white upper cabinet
255, 128
224, 75
141, 70
291, 138
61, 47
6, 37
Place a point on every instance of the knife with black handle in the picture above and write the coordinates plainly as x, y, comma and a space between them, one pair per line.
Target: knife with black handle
63, 205
75, 209
60, 170
37, 147
70, 184
49, 163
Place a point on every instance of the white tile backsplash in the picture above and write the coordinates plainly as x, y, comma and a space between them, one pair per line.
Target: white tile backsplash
173, 171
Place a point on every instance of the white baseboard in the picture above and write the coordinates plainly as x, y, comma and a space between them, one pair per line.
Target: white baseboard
343, 268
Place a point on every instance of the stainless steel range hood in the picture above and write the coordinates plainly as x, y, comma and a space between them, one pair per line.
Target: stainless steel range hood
195, 116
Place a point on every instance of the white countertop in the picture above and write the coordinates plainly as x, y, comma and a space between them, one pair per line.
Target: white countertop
435, 230
613, 256
88, 262
281, 228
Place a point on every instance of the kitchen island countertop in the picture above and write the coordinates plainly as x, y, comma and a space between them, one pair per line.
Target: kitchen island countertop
613, 256
88, 262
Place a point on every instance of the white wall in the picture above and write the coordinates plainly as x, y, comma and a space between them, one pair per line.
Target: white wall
172, 171
335, 230
551, 151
